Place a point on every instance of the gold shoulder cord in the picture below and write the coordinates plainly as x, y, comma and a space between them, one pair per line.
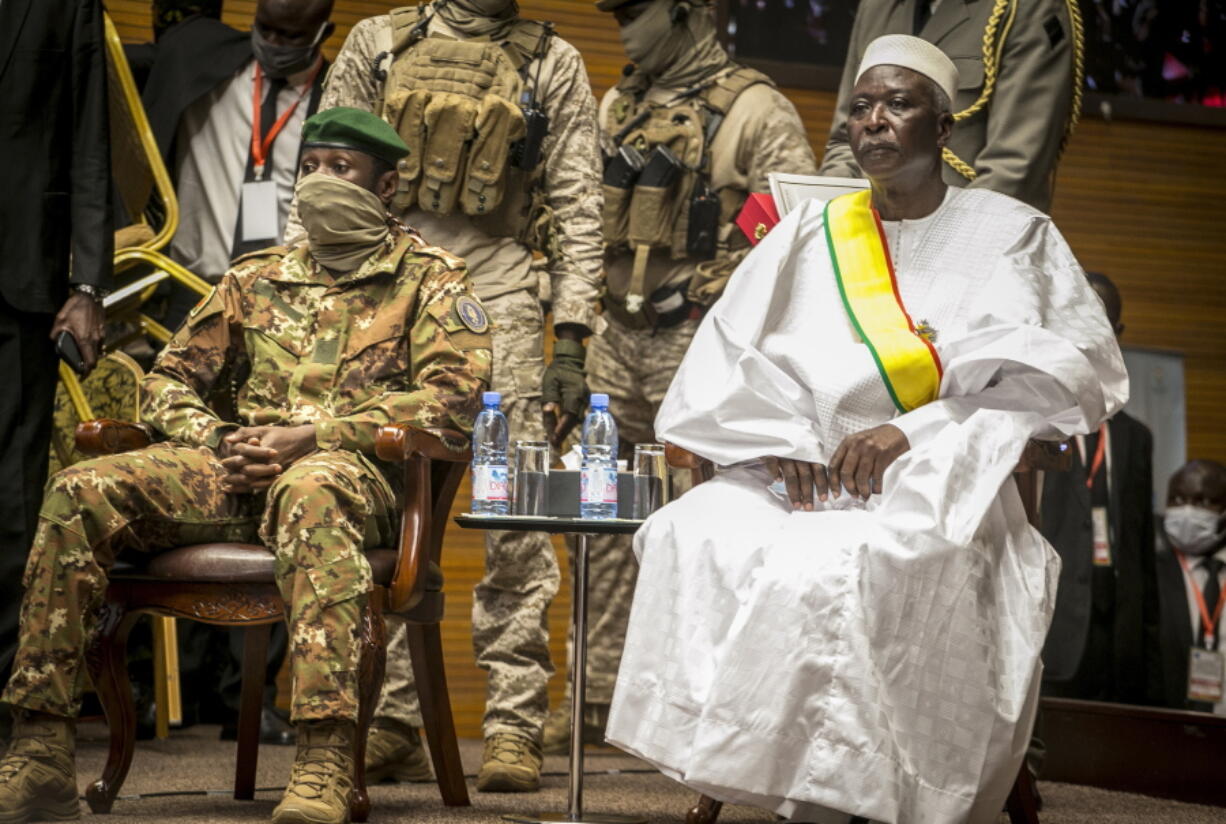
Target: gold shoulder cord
994, 35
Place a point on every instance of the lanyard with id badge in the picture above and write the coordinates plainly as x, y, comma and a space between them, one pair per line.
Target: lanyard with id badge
1099, 522
1206, 665
259, 196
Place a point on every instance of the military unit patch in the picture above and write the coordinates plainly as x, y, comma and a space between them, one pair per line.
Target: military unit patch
472, 315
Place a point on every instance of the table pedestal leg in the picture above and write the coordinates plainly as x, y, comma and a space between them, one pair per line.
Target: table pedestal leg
578, 689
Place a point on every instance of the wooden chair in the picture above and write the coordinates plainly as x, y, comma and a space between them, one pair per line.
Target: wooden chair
232, 585
1022, 804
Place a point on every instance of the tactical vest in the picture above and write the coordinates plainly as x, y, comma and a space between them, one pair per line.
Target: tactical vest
650, 219
457, 105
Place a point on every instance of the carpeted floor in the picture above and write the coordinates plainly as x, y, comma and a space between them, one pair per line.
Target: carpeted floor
187, 778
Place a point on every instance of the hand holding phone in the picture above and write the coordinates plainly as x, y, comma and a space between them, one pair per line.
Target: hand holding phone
66, 347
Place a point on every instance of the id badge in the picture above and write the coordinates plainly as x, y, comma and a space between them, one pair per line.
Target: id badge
259, 211
1205, 675
1102, 542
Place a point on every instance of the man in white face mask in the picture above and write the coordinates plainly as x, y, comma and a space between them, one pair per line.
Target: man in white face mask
1191, 567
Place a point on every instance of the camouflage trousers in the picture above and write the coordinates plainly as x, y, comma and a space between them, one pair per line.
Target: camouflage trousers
316, 518
510, 604
634, 367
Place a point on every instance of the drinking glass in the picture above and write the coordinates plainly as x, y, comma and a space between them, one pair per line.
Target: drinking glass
531, 478
650, 479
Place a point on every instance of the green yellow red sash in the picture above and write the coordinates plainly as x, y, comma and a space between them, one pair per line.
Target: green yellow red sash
908, 363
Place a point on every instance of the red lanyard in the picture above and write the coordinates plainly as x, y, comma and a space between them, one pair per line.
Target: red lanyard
1099, 452
260, 147
1209, 622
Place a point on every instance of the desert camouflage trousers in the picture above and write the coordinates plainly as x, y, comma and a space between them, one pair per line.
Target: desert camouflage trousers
316, 518
510, 604
634, 367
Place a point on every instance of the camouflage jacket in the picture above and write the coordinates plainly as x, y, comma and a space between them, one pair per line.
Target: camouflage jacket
400, 340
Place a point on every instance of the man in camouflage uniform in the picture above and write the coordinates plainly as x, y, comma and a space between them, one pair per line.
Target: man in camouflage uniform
361, 326
750, 130
510, 635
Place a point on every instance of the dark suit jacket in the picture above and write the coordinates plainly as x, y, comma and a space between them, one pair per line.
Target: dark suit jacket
56, 145
1176, 627
189, 61
1066, 523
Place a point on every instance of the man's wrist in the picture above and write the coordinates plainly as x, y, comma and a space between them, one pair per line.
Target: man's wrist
95, 293
569, 348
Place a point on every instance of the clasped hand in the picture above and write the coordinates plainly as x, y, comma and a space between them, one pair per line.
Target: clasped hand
255, 455
858, 465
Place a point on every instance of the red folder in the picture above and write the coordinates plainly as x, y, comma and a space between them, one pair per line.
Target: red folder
758, 217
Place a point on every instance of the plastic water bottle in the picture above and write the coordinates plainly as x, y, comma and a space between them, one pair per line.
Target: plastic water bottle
598, 479
490, 433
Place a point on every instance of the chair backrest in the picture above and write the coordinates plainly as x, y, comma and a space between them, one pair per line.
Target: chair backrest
141, 178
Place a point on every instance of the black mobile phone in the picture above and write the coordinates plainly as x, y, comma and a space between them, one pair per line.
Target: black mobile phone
66, 347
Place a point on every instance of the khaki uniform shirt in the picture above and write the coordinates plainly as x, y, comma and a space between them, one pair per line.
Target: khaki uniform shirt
762, 133
1014, 144
396, 341
572, 170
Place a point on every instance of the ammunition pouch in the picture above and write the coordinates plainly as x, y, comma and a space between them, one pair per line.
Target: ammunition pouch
615, 218
686, 218
454, 103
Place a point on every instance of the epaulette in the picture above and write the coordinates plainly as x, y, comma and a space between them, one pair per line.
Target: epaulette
452, 261
271, 251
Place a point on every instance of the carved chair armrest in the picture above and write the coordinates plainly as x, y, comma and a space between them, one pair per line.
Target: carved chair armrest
400, 442
425, 507
104, 436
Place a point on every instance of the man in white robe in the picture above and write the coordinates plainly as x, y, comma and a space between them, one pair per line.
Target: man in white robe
866, 641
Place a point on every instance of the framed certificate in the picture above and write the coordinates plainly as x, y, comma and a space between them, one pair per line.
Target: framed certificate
789, 191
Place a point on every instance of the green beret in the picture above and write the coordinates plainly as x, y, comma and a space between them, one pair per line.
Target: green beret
346, 128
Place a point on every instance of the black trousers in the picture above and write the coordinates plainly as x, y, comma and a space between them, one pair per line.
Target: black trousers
28, 366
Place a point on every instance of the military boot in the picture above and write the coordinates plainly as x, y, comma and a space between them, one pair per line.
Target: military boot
556, 738
319, 786
511, 764
394, 753
38, 779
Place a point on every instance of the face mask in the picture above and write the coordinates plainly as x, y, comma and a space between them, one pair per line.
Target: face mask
345, 224
282, 61
652, 41
479, 18
1193, 529
487, 8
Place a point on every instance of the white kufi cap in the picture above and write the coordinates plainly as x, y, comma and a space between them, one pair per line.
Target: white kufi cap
912, 53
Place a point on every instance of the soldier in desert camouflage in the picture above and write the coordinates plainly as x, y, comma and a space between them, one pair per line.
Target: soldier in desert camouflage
360, 326
667, 259
508, 168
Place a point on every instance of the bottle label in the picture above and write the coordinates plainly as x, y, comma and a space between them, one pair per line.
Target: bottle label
598, 485
490, 483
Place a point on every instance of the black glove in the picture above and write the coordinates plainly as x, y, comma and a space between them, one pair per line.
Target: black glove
564, 392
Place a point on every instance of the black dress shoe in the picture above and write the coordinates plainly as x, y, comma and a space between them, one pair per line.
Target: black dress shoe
273, 729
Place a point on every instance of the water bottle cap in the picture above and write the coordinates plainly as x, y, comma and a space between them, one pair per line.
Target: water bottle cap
491, 398
599, 400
